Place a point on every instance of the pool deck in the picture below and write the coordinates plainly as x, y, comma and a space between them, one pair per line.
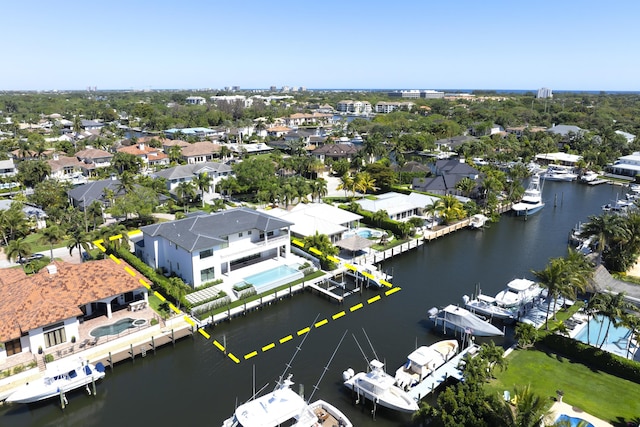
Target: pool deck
560, 408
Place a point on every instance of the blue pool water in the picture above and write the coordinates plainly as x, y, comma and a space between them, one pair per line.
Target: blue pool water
616, 340
117, 327
364, 232
568, 421
273, 278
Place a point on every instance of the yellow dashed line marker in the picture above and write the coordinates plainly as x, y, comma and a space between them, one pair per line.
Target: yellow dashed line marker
250, 355
133, 232
297, 242
189, 321
315, 251
145, 284
351, 267
332, 258
384, 282
114, 259
338, 315
392, 291
321, 323
268, 347
232, 357
98, 244
285, 339
304, 331
374, 299
174, 308
116, 237
355, 307
130, 271
217, 344
160, 297
204, 333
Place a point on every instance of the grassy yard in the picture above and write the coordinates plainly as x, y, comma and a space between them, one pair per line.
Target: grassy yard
605, 396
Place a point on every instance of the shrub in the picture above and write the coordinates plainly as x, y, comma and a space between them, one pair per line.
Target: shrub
154, 322
48, 358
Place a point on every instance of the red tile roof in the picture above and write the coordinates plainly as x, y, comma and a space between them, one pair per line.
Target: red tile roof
29, 302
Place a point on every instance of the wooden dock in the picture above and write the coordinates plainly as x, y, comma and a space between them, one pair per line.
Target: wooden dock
598, 182
450, 369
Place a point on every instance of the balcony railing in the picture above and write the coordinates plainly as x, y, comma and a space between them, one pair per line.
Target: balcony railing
233, 251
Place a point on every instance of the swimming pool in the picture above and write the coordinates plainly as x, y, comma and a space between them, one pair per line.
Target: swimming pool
615, 341
568, 421
274, 277
117, 327
367, 233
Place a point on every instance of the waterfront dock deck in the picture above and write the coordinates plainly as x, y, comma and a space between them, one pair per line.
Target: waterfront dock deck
598, 182
450, 369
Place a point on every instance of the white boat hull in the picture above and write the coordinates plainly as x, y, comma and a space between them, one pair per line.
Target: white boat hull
51, 386
523, 209
393, 397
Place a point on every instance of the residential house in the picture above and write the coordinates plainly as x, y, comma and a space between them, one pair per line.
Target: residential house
150, 156
205, 247
451, 144
311, 218
242, 149
64, 168
92, 159
446, 175
356, 107
484, 129
519, 131
566, 131
388, 107
83, 195
626, 165
187, 173
200, 152
199, 133
32, 213
399, 207
8, 168
44, 310
558, 158
195, 100
91, 125
278, 131
626, 135
336, 151
307, 119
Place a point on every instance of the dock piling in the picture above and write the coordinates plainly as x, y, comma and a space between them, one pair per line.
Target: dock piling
110, 360
133, 357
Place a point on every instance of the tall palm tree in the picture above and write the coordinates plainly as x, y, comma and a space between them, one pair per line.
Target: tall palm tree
346, 183
318, 189
530, 408
18, 249
604, 228
614, 310
552, 277
203, 181
185, 192
466, 186
79, 240
364, 182
51, 235
450, 208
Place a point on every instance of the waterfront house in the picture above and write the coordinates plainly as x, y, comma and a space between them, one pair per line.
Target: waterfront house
626, 165
92, 159
44, 310
8, 168
205, 247
199, 152
150, 156
558, 158
310, 218
399, 207
336, 151
64, 168
83, 195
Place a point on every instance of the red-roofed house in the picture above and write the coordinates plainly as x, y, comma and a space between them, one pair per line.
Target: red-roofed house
44, 310
150, 156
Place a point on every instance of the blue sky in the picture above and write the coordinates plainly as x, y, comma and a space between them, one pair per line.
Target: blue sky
419, 44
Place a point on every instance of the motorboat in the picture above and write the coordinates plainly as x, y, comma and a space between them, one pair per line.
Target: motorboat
461, 320
559, 173
59, 377
423, 361
518, 293
589, 176
283, 406
379, 387
531, 201
478, 221
487, 306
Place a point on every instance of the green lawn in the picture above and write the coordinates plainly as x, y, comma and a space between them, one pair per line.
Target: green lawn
605, 396
36, 246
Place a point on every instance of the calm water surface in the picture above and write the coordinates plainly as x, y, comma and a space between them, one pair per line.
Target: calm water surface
195, 383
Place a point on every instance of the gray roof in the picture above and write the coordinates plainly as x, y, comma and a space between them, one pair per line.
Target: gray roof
188, 171
85, 194
564, 129
207, 230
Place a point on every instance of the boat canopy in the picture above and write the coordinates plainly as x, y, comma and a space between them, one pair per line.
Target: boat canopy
486, 298
520, 285
467, 322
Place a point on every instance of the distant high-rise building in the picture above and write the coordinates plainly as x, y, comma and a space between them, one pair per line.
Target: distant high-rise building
235, 88
545, 92
273, 88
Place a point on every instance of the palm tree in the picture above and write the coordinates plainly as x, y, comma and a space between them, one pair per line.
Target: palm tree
318, 189
604, 228
615, 308
18, 249
431, 210
346, 183
175, 154
51, 235
94, 211
185, 192
466, 186
203, 181
78, 239
380, 216
552, 277
450, 208
322, 243
364, 182
593, 305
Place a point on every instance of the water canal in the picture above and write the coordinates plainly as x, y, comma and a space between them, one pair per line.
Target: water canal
194, 383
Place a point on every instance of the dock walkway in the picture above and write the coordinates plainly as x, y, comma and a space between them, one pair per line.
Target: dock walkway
448, 370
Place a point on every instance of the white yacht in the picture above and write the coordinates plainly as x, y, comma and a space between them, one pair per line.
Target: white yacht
559, 173
423, 361
379, 387
461, 320
478, 221
532, 200
283, 406
589, 176
518, 293
62, 376
487, 306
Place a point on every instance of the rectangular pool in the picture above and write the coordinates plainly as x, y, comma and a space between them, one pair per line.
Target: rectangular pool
274, 277
615, 341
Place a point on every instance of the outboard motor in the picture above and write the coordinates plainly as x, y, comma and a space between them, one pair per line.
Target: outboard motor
433, 312
348, 374
465, 299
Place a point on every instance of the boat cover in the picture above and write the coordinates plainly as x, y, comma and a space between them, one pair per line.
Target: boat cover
467, 322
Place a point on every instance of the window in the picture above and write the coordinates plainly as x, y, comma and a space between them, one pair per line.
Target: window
249, 232
13, 347
207, 275
270, 233
239, 234
206, 254
54, 335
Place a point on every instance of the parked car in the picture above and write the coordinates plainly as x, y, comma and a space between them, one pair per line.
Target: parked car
30, 258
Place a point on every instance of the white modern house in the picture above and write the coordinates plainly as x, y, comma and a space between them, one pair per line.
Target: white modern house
206, 247
44, 310
627, 165
399, 207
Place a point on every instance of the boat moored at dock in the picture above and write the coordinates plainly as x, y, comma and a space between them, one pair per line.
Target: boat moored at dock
423, 362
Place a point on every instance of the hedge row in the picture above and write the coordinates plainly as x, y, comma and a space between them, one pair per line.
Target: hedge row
592, 356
